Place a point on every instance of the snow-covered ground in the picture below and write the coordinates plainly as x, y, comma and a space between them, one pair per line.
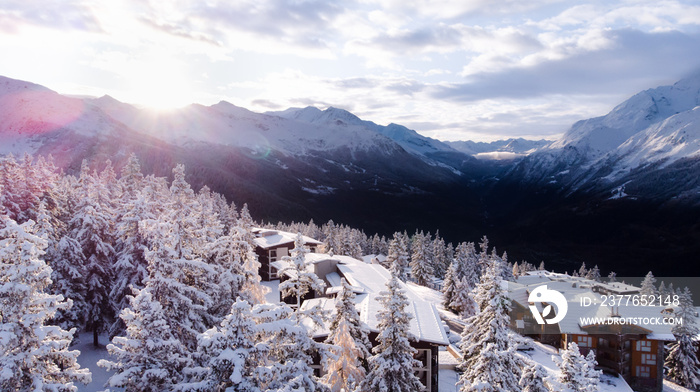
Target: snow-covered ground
89, 355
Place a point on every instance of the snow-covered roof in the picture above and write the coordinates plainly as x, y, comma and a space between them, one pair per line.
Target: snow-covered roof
425, 323
266, 238
367, 280
368, 258
577, 288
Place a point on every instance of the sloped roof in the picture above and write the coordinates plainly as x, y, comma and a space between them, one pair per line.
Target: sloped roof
266, 238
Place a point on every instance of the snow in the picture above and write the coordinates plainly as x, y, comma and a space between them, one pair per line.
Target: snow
672, 387
89, 355
273, 238
543, 355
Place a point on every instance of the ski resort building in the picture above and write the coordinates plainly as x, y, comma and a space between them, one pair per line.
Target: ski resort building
366, 281
622, 342
272, 245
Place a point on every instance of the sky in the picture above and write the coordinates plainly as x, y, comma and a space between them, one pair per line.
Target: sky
452, 70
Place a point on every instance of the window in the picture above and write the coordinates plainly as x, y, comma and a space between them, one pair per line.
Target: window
273, 255
648, 359
644, 345
584, 341
643, 371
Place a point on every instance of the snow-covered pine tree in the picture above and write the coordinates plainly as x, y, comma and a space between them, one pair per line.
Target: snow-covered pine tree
69, 281
682, 360
92, 228
344, 371
149, 358
421, 270
612, 277
449, 285
231, 353
577, 373
179, 278
440, 263
593, 273
489, 361
345, 310
532, 379
33, 356
290, 351
541, 266
300, 281
648, 285
592, 375
237, 270
131, 267
583, 271
397, 258
516, 270
462, 301
391, 366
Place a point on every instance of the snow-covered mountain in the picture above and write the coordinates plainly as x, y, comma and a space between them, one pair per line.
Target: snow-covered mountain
654, 130
410, 140
500, 149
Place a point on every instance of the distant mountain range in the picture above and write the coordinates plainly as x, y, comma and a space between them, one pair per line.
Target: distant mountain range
619, 188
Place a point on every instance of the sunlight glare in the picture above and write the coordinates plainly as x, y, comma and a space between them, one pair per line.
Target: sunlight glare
160, 83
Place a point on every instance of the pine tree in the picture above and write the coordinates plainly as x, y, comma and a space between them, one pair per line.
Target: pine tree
439, 262
131, 266
592, 376
593, 274
397, 258
345, 310
33, 356
179, 278
344, 370
489, 361
232, 353
583, 271
541, 267
391, 366
69, 281
92, 228
532, 379
612, 277
449, 285
300, 281
149, 358
682, 360
290, 350
578, 373
421, 270
462, 302
648, 285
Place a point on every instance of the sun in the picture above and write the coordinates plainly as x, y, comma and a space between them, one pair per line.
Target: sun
159, 83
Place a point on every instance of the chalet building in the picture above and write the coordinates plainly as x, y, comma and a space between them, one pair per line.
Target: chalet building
634, 351
272, 245
367, 280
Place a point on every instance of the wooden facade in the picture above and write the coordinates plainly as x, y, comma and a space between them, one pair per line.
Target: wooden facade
634, 357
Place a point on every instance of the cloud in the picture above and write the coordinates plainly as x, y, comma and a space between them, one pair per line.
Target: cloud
305, 24
633, 59
65, 15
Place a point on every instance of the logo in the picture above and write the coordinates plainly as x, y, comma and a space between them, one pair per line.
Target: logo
542, 295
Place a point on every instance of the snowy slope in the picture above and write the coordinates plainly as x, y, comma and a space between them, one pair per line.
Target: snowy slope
650, 131
230, 125
518, 146
28, 112
408, 139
